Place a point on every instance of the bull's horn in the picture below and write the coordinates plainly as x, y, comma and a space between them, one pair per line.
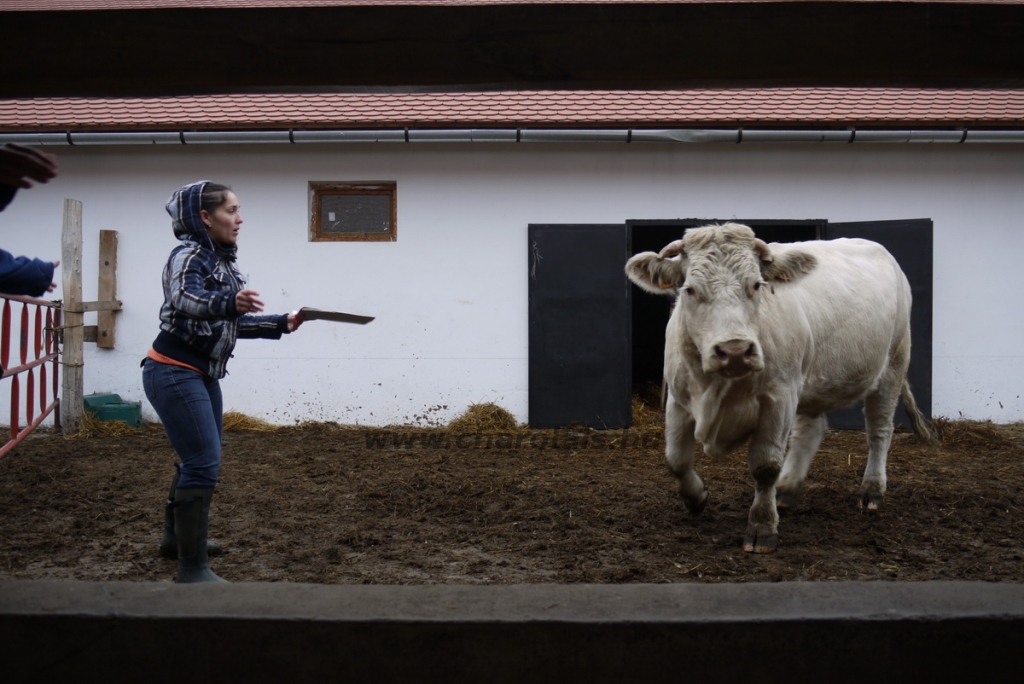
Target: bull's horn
763, 250
671, 249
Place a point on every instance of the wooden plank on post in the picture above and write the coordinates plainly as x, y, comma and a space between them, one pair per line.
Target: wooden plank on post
72, 388
86, 307
105, 320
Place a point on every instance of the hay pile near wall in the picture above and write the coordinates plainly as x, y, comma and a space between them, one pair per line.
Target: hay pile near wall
234, 421
487, 418
977, 434
92, 427
646, 416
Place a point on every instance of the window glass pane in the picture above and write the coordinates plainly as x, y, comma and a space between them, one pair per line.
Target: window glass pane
355, 213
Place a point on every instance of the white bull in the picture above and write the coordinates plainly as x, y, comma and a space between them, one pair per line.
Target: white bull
764, 341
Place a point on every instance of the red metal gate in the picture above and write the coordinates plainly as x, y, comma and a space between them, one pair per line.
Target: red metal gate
40, 321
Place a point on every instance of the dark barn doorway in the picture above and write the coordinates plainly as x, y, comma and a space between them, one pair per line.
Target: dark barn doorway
579, 330
595, 339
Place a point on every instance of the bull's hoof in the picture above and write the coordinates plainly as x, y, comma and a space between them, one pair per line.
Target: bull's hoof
870, 501
761, 542
698, 506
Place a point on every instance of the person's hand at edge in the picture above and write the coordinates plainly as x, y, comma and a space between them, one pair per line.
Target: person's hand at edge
19, 165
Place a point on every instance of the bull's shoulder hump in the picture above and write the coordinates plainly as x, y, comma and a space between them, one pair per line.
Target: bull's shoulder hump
851, 243
839, 247
836, 243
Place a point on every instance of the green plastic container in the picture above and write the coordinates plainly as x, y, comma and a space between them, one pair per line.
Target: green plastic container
110, 407
94, 401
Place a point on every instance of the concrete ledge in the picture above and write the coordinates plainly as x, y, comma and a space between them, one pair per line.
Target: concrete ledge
784, 632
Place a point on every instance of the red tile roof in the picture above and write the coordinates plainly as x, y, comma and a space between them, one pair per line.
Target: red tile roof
58, 5
762, 107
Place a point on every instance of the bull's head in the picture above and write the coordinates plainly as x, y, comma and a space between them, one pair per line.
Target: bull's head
720, 274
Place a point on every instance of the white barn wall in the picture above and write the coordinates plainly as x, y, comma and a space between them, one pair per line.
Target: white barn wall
451, 295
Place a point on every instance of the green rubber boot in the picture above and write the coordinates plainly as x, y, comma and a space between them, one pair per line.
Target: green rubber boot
169, 543
191, 513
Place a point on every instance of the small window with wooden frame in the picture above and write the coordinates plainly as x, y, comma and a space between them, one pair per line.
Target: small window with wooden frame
353, 211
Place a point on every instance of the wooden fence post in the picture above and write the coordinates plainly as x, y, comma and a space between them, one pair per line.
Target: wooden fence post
105, 319
71, 405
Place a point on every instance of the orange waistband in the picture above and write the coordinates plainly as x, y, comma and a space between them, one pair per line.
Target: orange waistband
160, 358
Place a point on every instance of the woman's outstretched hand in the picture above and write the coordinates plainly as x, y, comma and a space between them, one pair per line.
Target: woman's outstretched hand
294, 321
248, 301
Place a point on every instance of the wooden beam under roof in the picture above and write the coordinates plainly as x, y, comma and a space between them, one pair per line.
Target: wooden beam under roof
142, 52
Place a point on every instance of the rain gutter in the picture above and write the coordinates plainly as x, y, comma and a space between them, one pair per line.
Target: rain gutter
514, 135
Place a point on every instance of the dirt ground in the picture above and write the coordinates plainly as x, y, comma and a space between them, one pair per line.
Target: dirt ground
337, 505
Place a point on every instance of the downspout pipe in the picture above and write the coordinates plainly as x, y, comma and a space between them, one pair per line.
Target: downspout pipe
514, 135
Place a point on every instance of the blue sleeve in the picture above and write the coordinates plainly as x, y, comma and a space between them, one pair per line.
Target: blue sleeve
24, 276
269, 327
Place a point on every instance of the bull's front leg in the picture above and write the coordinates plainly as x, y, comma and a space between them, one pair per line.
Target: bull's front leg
680, 453
764, 458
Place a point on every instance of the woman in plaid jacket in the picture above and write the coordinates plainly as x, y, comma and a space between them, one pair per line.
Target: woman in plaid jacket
206, 309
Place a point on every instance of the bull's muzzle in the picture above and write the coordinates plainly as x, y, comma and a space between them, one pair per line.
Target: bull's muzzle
734, 358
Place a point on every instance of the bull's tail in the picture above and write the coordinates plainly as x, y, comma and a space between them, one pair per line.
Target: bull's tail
920, 425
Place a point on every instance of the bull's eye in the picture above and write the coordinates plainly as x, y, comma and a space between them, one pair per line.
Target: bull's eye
757, 286
690, 291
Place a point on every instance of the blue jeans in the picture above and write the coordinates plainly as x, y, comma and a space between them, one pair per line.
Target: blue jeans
191, 408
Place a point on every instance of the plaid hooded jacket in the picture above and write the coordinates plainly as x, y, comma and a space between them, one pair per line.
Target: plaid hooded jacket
198, 320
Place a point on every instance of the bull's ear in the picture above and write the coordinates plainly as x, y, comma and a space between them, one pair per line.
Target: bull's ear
784, 266
655, 273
